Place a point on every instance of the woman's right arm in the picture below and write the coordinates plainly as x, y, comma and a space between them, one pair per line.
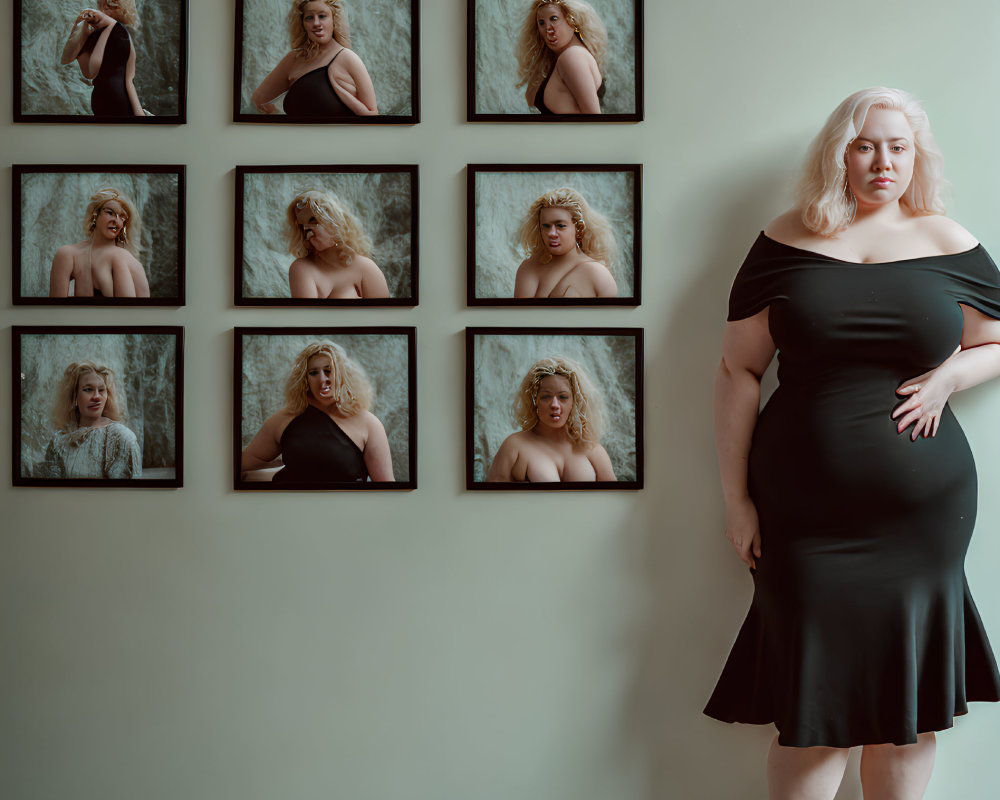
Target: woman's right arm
747, 349
77, 38
90, 61
502, 468
61, 273
265, 447
273, 85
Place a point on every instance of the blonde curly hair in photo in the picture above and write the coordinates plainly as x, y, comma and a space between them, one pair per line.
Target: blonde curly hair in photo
339, 221
64, 412
534, 58
824, 196
131, 233
353, 392
594, 234
584, 424
300, 41
126, 12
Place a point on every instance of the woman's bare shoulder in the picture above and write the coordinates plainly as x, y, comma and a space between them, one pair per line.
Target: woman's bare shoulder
947, 234
348, 58
575, 58
788, 228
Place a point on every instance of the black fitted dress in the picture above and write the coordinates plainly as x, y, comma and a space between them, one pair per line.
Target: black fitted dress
862, 629
110, 98
312, 95
315, 449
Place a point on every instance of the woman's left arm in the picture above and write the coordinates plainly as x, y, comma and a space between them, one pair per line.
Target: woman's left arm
378, 457
574, 69
362, 101
976, 360
602, 464
133, 95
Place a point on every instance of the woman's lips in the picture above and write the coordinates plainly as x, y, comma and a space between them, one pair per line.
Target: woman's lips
882, 181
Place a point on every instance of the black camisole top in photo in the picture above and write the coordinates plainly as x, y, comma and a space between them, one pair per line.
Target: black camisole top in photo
312, 95
109, 98
315, 449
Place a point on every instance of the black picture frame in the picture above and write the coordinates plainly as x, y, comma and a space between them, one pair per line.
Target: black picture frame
395, 110
511, 189
384, 198
373, 348
53, 198
162, 87
138, 355
609, 356
492, 94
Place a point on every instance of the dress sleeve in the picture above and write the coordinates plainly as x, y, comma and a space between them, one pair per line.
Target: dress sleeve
976, 281
123, 457
758, 282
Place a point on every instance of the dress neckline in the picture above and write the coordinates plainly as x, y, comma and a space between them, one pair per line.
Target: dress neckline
826, 257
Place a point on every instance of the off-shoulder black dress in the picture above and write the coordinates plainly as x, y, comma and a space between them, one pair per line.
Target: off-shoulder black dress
862, 629
110, 97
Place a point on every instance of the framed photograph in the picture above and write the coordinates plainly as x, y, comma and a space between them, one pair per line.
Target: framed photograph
111, 61
553, 408
327, 61
98, 406
326, 236
98, 235
325, 408
563, 235
564, 61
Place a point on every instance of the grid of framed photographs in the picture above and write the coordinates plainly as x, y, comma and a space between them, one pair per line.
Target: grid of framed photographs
547, 408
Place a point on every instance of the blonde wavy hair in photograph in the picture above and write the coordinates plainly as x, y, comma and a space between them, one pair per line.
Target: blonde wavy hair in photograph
352, 390
126, 12
131, 233
584, 423
64, 412
824, 196
339, 221
300, 41
594, 234
534, 58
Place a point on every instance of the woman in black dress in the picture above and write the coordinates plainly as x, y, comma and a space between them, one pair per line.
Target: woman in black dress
101, 45
325, 433
321, 76
852, 496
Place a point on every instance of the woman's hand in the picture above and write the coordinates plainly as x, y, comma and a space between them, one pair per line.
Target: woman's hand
743, 530
926, 396
95, 18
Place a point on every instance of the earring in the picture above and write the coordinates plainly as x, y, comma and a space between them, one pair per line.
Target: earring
852, 203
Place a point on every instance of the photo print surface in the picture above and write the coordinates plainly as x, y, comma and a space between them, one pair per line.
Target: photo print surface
325, 408
339, 236
566, 235
554, 408
100, 62
555, 62
102, 235
98, 406
375, 80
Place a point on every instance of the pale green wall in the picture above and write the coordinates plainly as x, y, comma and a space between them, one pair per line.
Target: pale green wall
441, 645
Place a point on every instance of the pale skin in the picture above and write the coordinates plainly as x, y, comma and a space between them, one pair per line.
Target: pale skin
98, 262
880, 167
572, 88
564, 270
102, 18
546, 453
330, 270
91, 397
347, 74
363, 428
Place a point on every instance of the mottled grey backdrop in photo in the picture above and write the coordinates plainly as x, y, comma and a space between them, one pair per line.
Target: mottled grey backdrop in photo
503, 199
382, 201
501, 362
53, 206
268, 359
145, 364
380, 35
498, 25
47, 87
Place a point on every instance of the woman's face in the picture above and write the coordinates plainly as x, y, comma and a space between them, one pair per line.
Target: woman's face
319, 374
553, 28
109, 7
317, 22
880, 159
91, 396
111, 221
318, 237
557, 230
554, 401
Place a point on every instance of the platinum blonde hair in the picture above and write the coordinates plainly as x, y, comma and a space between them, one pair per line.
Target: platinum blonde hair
534, 58
594, 234
339, 221
300, 41
131, 233
124, 11
353, 392
823, 192
584, 424
64, 412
